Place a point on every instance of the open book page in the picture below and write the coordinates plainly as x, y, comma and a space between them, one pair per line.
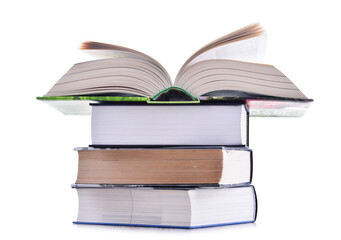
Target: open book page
111, 75
230, 75
246, 44
103, 50
248, 50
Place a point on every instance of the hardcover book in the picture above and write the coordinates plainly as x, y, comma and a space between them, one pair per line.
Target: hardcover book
165, 166
166, 207
227, 69
174, 125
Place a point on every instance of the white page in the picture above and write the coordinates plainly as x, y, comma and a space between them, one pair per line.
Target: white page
248, 50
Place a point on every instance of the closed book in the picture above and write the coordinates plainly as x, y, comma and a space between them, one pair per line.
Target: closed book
169, 125
166, 207
163, 166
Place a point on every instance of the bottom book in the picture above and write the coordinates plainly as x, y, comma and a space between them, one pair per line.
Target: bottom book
191, 207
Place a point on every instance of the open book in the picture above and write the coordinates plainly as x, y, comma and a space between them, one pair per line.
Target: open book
222, 70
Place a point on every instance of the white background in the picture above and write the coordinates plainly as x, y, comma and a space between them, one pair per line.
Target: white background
296, 160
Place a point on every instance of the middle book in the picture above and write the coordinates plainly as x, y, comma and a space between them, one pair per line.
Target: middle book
165, 166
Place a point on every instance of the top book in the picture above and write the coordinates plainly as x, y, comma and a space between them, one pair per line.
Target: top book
221, 70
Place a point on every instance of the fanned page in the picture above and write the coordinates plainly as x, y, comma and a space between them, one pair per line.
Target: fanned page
103, 50
246, 44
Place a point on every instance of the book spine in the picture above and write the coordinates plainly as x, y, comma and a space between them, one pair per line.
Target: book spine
247, 126
256, 202
251, 166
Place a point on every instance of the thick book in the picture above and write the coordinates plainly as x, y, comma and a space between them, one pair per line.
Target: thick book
226, 69
166, 207
165, 166
169, 125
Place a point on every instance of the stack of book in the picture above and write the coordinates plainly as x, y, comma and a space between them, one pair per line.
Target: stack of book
172, 155
170, 165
